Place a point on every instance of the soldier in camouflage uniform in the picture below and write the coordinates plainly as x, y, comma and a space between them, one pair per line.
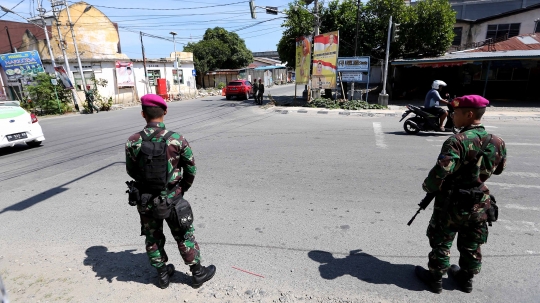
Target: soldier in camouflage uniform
181, 168
454, 214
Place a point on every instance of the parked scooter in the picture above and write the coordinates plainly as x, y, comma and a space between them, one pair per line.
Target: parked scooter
424, 121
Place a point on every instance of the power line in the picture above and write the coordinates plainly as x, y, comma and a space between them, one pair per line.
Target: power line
166, 9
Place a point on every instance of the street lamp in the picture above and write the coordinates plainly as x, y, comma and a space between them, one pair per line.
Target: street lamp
175, 61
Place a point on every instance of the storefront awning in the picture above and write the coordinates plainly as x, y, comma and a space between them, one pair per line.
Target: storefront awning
460, 58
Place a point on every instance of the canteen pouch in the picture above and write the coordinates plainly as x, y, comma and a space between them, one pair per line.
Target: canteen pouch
162, 207
493, 211
183, 213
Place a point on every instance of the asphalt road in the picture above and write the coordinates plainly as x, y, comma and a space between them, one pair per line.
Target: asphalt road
288, 207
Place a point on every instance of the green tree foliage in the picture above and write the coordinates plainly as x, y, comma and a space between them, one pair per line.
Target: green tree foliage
299, 22
219, 49
426, 29
42, 96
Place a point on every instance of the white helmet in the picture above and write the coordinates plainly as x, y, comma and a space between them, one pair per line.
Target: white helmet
437, 83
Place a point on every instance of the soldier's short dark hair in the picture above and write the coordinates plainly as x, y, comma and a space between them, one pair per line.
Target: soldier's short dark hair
478, 112
153, 112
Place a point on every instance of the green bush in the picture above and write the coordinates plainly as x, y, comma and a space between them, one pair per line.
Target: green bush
343, 104
42, 96
221, 85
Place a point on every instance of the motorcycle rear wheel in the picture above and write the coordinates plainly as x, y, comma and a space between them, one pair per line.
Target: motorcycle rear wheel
410, 127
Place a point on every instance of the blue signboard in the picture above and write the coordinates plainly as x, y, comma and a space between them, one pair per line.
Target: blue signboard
21, 65
193, 73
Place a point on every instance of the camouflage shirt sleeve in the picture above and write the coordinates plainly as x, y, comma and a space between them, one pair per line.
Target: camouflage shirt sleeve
187, 162
132, 148
446, 164
502, 153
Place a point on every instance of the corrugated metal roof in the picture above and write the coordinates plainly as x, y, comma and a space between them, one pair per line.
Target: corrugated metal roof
513, 44
473, 56
268, 67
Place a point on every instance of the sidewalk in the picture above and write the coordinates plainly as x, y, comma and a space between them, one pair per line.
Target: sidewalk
492, 113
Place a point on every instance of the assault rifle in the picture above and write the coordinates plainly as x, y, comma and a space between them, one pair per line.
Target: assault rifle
423, 205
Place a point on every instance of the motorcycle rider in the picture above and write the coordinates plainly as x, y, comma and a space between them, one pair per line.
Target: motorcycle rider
431, 102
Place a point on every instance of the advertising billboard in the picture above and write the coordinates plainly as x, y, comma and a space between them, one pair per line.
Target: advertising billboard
354, 69
325, 53
303, 59
21, 65
124, 74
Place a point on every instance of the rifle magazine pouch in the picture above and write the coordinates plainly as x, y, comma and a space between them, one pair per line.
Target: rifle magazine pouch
183, 212
493, 211
162, 207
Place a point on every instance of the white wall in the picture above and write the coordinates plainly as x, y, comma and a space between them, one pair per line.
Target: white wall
166, 71
479, 31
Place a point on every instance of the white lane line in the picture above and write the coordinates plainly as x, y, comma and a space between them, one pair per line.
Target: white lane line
523, 226
435, 140
524, 144
489, 126
521, 174
379, 135
508, 185
521, 207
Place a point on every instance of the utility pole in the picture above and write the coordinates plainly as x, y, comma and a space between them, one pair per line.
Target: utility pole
41, 11
355, 44
147, 85
56, 12
75, 44
316, 92
383, 96
176, 61
9, 38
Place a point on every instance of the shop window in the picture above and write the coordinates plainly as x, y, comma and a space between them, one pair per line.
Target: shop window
457, 36
521, 74
504, 73
87, 77
153, 75
499, 30
179, 77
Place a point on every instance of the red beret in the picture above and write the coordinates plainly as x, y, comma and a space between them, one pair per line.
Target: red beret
153, 100
472, 101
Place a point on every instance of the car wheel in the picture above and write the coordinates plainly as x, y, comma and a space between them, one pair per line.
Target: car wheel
34, 143
247, 96
410, 127
228, 97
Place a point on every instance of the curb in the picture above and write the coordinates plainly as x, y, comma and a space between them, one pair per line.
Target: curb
347, 113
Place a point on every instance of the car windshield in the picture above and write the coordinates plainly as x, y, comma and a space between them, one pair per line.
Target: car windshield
235, 83
10, 103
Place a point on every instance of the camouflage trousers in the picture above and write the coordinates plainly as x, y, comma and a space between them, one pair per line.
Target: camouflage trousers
443, 228
152, 229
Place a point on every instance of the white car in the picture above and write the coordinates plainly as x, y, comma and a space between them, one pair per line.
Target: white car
18, 126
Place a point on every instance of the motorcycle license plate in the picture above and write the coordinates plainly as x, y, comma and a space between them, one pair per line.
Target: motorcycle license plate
16, 136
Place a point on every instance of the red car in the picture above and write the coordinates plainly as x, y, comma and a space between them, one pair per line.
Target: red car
242, 89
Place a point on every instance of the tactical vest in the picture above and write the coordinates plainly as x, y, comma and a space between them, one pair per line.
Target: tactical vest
153, 158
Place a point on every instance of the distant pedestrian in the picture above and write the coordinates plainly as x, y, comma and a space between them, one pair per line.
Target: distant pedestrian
260, 92
89, 94
255, 90
161, 163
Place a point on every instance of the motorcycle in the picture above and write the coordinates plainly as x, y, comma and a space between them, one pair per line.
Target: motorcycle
425, 121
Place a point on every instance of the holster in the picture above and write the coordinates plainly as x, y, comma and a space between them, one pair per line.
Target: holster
182, 212
493, 211
162, 207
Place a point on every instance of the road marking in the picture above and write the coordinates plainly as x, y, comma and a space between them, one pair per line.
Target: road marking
486, 126
522, 174
521, 207
523, 226
435, 140
379, 135
524, 144
508, 185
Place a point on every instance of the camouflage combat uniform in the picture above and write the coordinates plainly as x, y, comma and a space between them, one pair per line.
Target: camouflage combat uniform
469, 222
182, 171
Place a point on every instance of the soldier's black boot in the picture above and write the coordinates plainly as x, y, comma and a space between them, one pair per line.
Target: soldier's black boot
164, 273
463, 278
201, 274
434, 283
